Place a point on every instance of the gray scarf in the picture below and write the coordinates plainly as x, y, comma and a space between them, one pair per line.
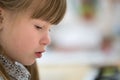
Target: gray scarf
16, 71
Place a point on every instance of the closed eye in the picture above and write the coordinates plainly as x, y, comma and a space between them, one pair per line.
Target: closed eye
38, 27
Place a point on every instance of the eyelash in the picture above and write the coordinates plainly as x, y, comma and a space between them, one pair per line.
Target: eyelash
38, 27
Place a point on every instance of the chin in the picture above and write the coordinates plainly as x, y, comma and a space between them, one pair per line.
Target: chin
29, 63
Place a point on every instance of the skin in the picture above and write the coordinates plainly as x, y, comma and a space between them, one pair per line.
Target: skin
21, 36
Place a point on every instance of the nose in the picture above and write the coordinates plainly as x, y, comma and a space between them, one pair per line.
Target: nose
45, 39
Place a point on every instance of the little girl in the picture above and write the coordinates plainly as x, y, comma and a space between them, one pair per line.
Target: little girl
24, 34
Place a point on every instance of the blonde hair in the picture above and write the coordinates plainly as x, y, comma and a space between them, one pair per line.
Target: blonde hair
51, 11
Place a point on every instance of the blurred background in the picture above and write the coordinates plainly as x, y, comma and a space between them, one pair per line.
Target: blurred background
86, 44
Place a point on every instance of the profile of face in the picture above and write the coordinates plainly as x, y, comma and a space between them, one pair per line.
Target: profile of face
23, 38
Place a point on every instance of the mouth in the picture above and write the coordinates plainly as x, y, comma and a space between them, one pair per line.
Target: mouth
39, 54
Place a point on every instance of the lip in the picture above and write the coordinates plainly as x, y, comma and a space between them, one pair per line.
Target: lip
39, 54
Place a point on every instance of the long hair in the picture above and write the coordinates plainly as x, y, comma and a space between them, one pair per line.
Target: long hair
51, 11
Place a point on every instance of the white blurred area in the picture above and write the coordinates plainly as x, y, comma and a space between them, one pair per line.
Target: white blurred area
79, 46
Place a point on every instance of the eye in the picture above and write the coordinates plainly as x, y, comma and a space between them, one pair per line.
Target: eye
38, 27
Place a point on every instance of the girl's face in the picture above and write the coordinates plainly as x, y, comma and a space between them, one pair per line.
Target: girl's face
23, 38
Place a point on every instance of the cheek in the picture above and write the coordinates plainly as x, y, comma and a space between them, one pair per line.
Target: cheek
26, 41
21, 39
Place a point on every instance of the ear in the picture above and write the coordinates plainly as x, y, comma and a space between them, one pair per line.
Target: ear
1, 17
